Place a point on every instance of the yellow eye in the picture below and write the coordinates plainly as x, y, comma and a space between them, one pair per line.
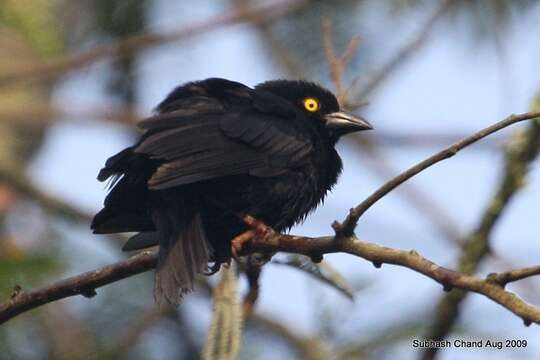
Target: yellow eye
311, 104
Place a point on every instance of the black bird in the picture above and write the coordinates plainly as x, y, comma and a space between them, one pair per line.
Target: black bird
213, 150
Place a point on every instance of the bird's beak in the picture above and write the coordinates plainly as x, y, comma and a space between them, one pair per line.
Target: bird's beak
346, 123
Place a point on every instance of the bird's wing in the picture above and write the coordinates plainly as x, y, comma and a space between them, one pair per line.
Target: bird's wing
196, 146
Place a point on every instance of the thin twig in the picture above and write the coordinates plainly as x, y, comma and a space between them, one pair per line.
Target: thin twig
131, 45
416, 196
506, 277
338, 63
39, 114
348, 226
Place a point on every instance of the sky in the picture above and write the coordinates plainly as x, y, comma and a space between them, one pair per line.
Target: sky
451, 85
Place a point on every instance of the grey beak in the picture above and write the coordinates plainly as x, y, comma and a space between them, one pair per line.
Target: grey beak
346, 123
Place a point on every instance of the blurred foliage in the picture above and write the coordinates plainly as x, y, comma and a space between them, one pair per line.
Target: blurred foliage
29, 33
118, 19
26, 269
18, 143
36, 21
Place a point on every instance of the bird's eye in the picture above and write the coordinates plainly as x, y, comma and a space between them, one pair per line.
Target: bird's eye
311, 104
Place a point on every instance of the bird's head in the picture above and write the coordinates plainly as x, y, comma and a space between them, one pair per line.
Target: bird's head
318, 104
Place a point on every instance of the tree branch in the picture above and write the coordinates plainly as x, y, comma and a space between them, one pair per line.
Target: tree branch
379, 255
86, 283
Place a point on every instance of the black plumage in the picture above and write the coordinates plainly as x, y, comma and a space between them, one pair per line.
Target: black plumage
216, 149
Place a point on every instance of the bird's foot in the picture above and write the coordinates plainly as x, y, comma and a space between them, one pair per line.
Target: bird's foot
258, 232
238, 243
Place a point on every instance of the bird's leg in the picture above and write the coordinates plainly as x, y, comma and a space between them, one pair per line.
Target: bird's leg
257, 230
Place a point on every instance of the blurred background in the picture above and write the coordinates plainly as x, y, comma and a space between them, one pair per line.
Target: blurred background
75, 76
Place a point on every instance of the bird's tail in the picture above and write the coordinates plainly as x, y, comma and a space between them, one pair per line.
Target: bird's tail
184, 250
126, 206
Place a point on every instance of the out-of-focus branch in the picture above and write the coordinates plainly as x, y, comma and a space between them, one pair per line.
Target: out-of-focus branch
16, 179
130, 338
131, 45
405, 53
379, 340
223, 341
337, 63
39, 114
84, 284
519, 155
308, 348
321, 271
347, 227
276, 49
67, 335
253, 273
